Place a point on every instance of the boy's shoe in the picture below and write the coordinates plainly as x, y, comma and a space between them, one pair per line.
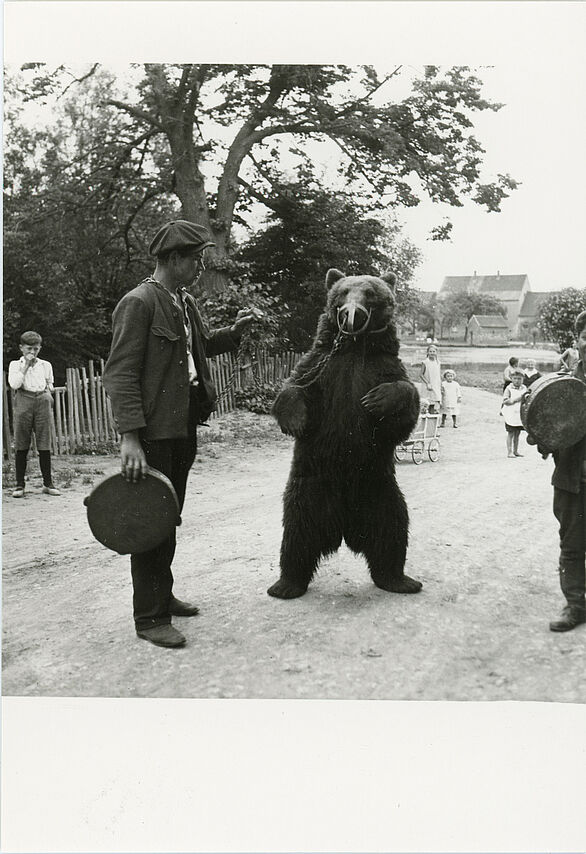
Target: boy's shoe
569, 619
18, 492
165, 635
51, 490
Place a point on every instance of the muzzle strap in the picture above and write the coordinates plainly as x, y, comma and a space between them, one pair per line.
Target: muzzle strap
346, 317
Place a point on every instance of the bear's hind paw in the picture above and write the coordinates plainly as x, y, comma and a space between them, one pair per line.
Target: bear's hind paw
283, 589
404, 584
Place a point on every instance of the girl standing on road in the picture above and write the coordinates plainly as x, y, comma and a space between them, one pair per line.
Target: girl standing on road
451, 397
431, 377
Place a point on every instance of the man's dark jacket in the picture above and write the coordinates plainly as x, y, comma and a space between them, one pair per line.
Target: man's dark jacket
146, 375
568, 461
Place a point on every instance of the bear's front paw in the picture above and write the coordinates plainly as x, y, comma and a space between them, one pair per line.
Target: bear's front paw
388, 398
283, 589
290, 411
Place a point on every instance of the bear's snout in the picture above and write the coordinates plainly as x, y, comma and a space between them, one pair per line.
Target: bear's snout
353, 318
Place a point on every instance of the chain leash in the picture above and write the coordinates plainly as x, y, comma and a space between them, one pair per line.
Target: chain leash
239, 365
315, 373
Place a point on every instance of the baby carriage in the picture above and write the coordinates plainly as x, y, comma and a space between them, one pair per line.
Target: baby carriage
423, 438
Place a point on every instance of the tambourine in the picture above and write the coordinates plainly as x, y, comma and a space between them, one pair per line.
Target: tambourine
130, 518
554, 411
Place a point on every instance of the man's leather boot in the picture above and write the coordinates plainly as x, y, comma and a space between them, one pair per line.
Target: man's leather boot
165, 635
570, 617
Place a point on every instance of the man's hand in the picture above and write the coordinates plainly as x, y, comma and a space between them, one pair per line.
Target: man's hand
246, 316
134, 464
545, 452
29, 361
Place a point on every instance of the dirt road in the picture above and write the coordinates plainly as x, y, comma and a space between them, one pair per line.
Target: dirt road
483, 541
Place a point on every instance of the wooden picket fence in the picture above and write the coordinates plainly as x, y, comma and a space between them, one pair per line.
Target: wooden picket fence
82, 414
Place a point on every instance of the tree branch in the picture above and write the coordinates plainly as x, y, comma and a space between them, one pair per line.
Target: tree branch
272, 204
80, 79
354, 104
183, 83
136, 113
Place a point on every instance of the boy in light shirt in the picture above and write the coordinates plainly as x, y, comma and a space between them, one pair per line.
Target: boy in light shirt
511, 410
32, 380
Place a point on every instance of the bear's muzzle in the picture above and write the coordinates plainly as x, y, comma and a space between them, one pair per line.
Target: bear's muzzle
353, 318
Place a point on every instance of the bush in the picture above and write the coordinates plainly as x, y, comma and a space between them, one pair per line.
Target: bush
257, 398
558, 313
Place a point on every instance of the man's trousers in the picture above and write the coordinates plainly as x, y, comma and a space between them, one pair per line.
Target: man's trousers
570, 511
151, 571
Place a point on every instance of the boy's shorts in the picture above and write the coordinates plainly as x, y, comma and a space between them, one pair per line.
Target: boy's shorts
32, 411
511, 429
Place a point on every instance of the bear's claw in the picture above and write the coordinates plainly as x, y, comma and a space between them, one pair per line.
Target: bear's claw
282, 589
404, 584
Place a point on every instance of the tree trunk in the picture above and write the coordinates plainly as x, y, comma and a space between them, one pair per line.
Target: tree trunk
190, 190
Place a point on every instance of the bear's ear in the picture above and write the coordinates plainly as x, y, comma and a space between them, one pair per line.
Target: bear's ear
332, 276
391, 280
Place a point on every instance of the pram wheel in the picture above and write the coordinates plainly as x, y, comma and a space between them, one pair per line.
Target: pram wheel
400, 453
417, 452
434, 450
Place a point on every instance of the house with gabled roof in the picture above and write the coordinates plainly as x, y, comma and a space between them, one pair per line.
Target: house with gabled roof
509, 289
488, 329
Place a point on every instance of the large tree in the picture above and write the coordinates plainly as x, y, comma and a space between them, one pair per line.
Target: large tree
218, 136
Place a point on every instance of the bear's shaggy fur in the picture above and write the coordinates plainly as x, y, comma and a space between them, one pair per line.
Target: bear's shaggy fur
348, 403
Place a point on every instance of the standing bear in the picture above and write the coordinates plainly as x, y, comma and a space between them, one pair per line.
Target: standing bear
348, 403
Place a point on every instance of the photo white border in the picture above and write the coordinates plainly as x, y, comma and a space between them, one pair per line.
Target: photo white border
176, 775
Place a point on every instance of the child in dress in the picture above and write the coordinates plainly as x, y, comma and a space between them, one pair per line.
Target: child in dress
451, 397
431, 378
511, 410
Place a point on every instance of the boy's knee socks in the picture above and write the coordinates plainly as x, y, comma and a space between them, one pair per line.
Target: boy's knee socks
45, 464
20, 458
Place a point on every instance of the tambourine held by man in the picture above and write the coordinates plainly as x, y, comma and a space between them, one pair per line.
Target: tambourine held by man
554, 411
131, 518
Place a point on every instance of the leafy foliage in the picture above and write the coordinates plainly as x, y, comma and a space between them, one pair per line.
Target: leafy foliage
317, 229
557, 315
74, 227
220, 309
259, 398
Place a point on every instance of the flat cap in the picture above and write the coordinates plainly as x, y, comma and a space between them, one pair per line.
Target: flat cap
179, 234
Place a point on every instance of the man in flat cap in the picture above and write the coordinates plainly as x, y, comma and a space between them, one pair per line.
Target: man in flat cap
160, 387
